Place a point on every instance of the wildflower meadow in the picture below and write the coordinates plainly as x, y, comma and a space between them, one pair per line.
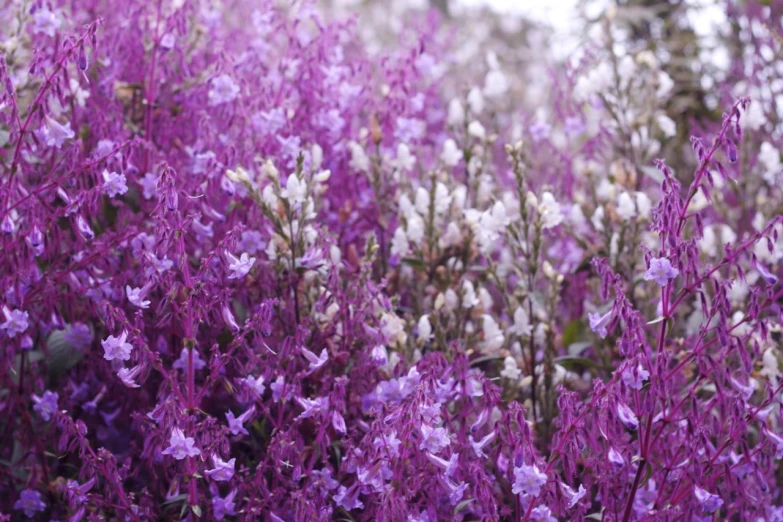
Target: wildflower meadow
303, 260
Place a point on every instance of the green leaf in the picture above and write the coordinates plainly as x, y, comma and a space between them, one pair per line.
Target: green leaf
595, 516
572, 363
62, 355
576, 349
462, 505
196, 510
657, 320
417, 264
574, 332
174, 500
647, 475
485, 358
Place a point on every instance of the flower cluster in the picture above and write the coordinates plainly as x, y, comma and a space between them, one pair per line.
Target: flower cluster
262, 263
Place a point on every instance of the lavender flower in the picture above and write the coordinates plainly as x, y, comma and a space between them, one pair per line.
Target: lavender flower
528, 480
598, 323
239, 267
114, 184
627, 417
181, 446
46, 405
117, 347
30, 502
222, 90
222, 471
222, 506
661, 271
16, 322
709, 502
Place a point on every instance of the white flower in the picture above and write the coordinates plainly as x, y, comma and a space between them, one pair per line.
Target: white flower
476, 129
625, 206
405, 160
549, 210
451, 154
665, 84
456, 114
643, 205
475, 101
295, 190
79, 95
493, 335
399, 245
754, 118
521, 325
393, 328
359, 159
452, 236
469, 299
667, 125
425, 328
495, 84
415, 229
769, 157
598, 219
510, 369
222, 90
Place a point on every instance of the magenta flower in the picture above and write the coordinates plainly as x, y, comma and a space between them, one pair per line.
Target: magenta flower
661, 271
181, 446
182, 362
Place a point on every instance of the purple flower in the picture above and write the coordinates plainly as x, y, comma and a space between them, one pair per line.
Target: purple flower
54, 134
235, 424
573, 497
528, 480
46, 405
615, 458
182, 362
433, 439
542, 513
348, 498
661, 271
456, 491
222, 90
114, 184
222, 471
181, 446
634, 377
239, 267
627, 417
315, 361
117, 347
223, 506
79, 335
30, 502
128, 375
280, 390
709, 502
598, 323
448, 467
16, 322
136, 296
312, 406
255, 384
478, 447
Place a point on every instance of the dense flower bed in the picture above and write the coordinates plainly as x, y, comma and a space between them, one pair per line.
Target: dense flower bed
254, 267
